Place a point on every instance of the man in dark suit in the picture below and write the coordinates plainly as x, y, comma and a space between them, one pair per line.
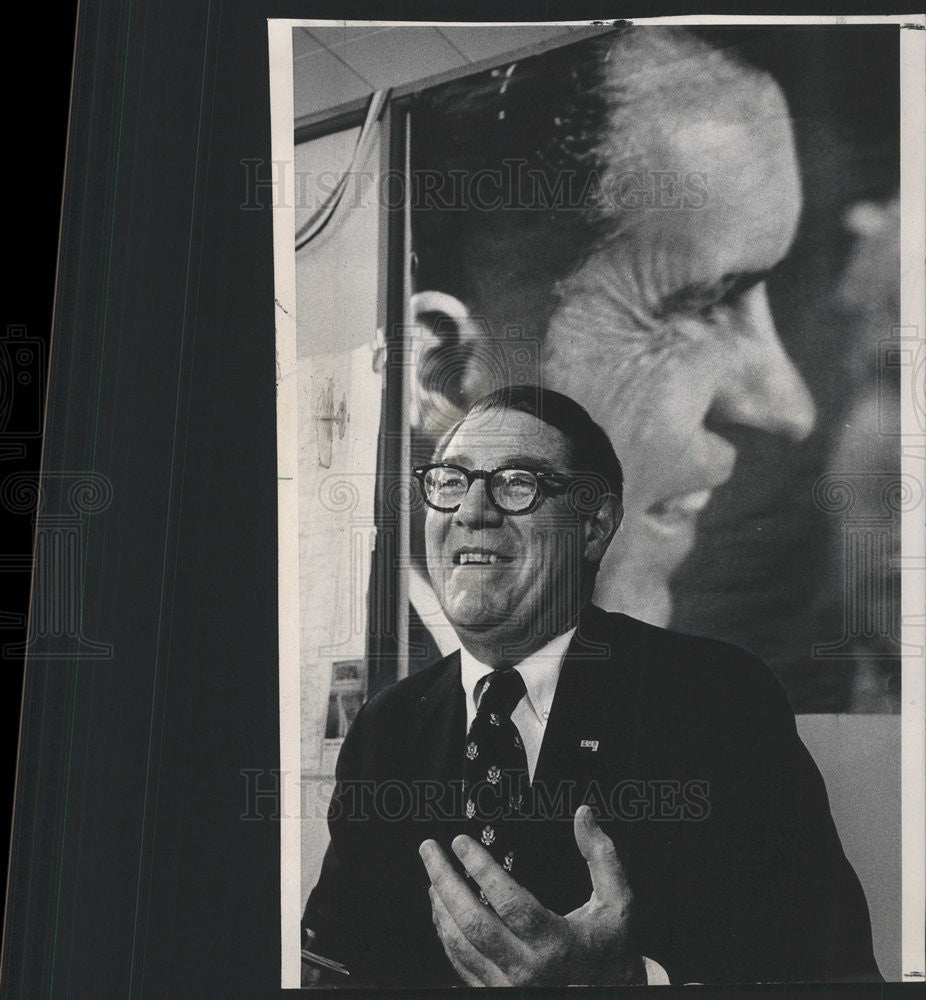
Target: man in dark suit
464, 840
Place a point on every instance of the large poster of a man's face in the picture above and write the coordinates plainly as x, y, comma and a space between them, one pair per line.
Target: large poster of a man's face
664, 224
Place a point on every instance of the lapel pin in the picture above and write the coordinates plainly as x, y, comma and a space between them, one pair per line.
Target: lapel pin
589, 745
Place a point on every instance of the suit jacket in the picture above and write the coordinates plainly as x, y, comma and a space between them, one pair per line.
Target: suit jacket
699, 777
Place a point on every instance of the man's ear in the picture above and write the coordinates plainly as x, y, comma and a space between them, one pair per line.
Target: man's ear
454, 360
600, 528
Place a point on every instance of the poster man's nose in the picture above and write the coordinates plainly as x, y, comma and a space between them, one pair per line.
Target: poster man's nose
761, 387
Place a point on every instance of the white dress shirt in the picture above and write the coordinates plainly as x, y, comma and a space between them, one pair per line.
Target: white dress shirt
541, 672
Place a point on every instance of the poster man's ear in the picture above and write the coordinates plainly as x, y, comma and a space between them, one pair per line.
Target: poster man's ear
454, 358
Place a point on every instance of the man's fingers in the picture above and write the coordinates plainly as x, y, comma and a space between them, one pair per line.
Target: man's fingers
474, 968
518, 909
609, 880
435, 861
477, 922
445, 878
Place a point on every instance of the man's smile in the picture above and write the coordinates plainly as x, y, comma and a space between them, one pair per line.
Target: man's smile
471, 556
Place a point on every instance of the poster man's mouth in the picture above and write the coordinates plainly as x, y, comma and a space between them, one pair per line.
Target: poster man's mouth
684, 507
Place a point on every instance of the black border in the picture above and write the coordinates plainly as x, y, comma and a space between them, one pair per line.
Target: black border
135, 868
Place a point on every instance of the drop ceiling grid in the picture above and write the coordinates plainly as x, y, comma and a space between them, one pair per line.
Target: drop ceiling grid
334, 65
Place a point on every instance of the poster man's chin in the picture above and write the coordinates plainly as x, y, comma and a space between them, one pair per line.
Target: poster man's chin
636, 571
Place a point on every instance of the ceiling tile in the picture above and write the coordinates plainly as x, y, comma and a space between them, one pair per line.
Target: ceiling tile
390, 56
321, 82
483, 42
335, 37
303, 43
401, 55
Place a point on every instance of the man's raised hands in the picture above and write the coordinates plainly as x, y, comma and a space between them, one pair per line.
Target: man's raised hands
518, 942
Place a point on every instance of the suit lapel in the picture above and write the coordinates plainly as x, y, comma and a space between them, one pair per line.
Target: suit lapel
593, 725
435, 754
436, 747
590, 745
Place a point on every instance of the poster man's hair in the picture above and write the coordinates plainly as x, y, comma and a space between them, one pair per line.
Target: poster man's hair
511, 164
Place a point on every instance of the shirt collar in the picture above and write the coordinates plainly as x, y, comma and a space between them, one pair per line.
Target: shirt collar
540, 671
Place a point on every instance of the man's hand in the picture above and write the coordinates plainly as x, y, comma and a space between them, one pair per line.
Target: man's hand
518, 942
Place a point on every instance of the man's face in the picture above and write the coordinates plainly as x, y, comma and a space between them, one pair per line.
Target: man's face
666, 335
502, 578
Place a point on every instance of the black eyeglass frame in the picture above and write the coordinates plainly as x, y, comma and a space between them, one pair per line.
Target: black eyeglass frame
543, 478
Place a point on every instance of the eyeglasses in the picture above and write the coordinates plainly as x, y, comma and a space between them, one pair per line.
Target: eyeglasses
510, 490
